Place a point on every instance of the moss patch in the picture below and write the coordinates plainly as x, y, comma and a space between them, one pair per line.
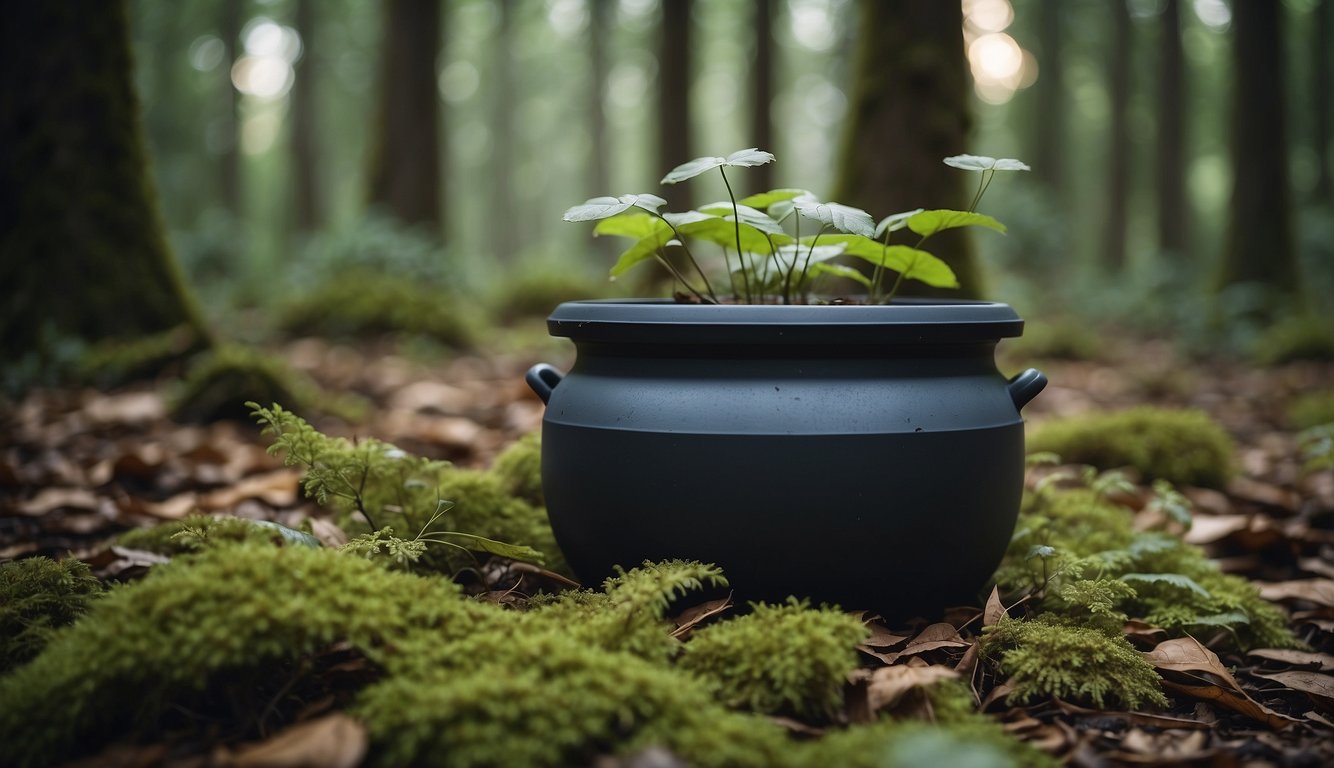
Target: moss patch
1304, 337
360, 302
38, 596
220, 382
1183, 447
1312, 409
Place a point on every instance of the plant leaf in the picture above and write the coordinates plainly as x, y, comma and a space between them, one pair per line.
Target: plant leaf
838, 270
636, 225
795, 253
483, 544
643, 249
844, 218
606, 207
290, 535
742, 158
984, 163
756, 218
912, 263
724, 233
766, 199
927, 223
895, 221
1175, 579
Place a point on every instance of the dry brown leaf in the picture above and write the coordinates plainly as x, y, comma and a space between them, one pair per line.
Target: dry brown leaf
881, 637
332, 741
174, 508
994, 610
692, 617
129, 408
1320, 662
1319, 591
1317, 686
1318, 566
1138, 718
329, 534
1264, 494
1186, 654
51, 499
889, 684
1164, 746
277, 489
1235, 700
1207, 530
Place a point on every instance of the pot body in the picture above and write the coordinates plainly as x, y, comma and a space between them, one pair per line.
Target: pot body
868, 456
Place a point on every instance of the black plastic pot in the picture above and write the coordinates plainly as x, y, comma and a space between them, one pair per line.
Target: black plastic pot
868, 456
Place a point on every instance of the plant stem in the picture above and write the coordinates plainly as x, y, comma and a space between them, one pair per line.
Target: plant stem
712, 296
740, 252
680, 278
809, 252
982, 185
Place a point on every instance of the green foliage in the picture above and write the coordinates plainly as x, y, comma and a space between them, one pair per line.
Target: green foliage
220, 382
39, 595
230, 621
116, 361
360, 302
1300, 337
788, 658
485, 505
1318, 447
396, 553
197, 532
519, 469
535, 291
1082, 557
1312, 409
1184, 447
770, 265
1046, 657
969, 741
1067, 339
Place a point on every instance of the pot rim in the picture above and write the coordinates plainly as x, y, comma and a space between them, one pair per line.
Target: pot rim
905, 321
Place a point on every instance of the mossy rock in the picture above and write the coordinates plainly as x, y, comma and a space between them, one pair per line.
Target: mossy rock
220, 382
1312, 409
360, 302
1303, 337
38, 596
1183, 447
779, 659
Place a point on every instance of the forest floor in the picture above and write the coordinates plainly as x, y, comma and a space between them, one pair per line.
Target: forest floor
77, 467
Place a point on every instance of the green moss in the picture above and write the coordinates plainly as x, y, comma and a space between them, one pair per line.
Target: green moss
519, 469
484, 505
360, 302
1312, 409
113, 362
197, 532
220, 382
973, 741
535, 291
38, 596
1067, 340
1047, 658
1302, 337
1184, 447
789, 658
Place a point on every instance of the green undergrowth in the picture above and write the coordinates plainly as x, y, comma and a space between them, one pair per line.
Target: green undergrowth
1312, 409
1301, 337
197, 532
232, 639
1068, 340
37, 597
363, 302
220, 382
1183, 447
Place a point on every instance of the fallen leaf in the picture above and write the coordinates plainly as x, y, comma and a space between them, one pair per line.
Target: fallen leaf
1138, 718
51, 499
1188, 655
1316, 565
130, 408
277, 489
1319, 591
1166, 746
332, 741
692, 617
1317, 686
889, 684
1234, 700
1320, 662
994, 610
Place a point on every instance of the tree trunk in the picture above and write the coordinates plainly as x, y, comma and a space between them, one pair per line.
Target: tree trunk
1173, 207
762, 92
674, 98
599, 180
1260, 244
908, 110
229, 160
1049, 155
305, 148
504, 237
1320, 96
82, 249
1118, 141
405, 166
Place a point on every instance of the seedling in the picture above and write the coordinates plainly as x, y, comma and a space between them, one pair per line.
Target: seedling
764, 263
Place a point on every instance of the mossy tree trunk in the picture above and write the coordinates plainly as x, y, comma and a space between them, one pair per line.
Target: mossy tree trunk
405, 145
908, 110
82, 248
1260, 246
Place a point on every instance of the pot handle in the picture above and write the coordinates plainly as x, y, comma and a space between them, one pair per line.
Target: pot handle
1026, 386
543, 378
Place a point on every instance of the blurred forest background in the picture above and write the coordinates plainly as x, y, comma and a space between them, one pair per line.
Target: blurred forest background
306, 152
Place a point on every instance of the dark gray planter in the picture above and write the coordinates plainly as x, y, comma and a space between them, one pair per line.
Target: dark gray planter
869, 456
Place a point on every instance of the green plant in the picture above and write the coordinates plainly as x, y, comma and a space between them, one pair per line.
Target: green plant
220, 381
1311, 409
39, 595
197, 532
382, 483
763, 263
1183, 447
779, 659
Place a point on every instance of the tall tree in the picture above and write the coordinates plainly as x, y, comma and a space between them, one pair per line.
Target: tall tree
599, 12
305, 148
1170, 168
762, 91
908, 110
674, 96
1260, 244
1321, 88
504, 237
229, 29
1118, 140
82, 249
405, 145
1049, 154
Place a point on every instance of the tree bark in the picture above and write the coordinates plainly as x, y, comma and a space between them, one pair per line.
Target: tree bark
908, 110
674, 98
1049, 155
504, 237
229, 161
82, 249
1260, 244
405, 167
1118, 141
762, 92
306, 197
1173, 206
